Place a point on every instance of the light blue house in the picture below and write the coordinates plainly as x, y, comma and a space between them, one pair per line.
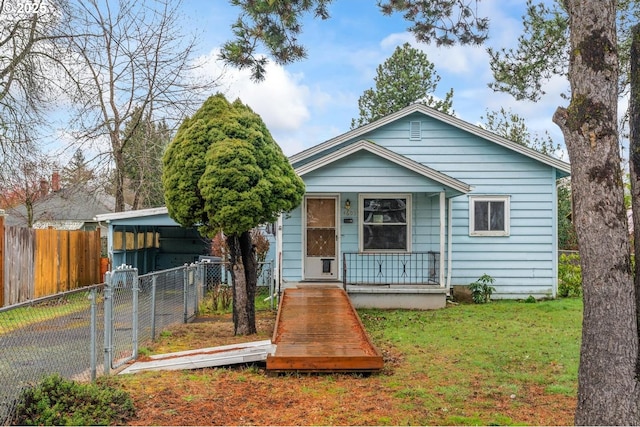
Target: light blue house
404, 209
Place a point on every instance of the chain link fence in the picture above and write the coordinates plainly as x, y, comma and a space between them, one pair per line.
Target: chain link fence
88, 332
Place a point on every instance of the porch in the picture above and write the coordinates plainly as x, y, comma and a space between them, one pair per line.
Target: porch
405, 280
393, 280
391, 268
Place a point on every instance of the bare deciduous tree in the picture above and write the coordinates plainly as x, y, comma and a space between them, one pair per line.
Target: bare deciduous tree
131, 56
29, 39
23, 182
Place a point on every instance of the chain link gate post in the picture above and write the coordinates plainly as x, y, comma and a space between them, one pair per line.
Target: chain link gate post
190, 291
108, 321
120, 284
185, 289
94, 333
154, 284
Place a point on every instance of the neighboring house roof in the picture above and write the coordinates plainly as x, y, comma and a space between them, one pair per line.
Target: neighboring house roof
364, 145
75, 203
60, 225
311, 154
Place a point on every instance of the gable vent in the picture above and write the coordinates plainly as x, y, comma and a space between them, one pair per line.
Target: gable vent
415, 131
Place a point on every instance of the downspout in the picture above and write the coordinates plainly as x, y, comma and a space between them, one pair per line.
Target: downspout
442, 237
554, 237
449, 245
278, 260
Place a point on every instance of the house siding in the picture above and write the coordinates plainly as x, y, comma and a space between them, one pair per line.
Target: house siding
522, 263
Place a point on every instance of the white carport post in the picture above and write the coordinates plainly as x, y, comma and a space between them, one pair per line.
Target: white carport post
442, 236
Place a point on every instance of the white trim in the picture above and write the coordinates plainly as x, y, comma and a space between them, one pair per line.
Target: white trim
449, 245
442, 236
132, 214
387, 154
554, 243
278, 259
490, 198
451, 120
409, 215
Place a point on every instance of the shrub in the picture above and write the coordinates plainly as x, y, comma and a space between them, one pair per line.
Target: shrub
481, 289
57, 401
217, 300
569, 276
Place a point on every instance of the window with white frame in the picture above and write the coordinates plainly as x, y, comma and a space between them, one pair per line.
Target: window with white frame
489, 215
386, 223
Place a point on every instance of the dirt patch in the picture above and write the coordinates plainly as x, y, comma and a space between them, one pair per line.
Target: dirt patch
248, 395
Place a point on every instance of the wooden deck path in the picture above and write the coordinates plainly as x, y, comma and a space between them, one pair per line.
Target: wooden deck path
317, 329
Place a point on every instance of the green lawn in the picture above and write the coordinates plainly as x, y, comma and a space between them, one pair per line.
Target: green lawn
514, 341
502, 363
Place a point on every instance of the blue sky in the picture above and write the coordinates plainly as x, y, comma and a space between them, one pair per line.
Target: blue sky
313, 100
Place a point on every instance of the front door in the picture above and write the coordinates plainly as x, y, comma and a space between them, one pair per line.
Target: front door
321, 238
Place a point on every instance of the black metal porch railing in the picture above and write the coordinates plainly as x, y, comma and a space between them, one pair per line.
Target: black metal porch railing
391, 268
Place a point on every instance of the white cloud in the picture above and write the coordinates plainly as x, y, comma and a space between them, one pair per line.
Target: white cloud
282, 100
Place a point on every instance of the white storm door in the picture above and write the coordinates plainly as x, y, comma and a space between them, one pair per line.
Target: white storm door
321, 238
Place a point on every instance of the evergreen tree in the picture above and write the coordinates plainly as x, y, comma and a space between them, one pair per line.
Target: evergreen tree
276, 25
405, 78
77, 171
143, 160
511, 126
224, 172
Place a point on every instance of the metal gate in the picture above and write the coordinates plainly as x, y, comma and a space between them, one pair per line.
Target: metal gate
120, 317
193, 276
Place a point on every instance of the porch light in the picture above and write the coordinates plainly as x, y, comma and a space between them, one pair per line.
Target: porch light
347, 205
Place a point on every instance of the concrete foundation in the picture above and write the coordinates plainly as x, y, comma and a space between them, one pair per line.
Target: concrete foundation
397, 298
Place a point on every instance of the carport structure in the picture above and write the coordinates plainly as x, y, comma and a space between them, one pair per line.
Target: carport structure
149, 240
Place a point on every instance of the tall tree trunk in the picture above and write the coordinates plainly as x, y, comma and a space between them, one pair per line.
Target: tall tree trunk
607, 384
118, 159
634, 158
244, 321
251, 276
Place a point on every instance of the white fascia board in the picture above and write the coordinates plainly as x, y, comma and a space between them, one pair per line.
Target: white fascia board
132, 214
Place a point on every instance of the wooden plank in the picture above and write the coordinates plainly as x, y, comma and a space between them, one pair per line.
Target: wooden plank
256, 351
64, 262
96, 253
317, 329
74, 254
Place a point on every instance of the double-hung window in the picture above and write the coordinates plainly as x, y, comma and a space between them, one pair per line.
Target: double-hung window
489, 215
385, 222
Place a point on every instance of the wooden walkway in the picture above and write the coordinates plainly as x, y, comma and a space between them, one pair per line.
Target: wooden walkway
317, 329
